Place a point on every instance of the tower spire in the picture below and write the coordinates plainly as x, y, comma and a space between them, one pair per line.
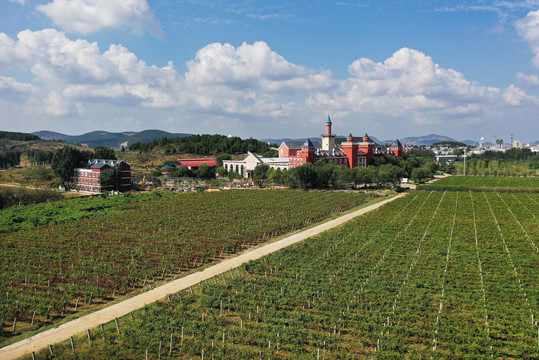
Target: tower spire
328, 139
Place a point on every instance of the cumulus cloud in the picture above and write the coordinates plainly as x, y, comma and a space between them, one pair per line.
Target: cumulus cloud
247, 83
515, 96
78, 68
55, 104
528, 80
7, 47
249, 80
407, 83
86, 16
528, 29
253, 66
9, 84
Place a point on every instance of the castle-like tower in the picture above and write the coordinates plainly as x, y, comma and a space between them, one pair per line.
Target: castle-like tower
328, 139
350, 148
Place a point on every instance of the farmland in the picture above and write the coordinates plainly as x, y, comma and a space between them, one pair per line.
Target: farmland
435, 274
32, 216
52, 271
485, 183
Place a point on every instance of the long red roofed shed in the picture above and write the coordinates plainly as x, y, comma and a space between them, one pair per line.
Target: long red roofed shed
194, 163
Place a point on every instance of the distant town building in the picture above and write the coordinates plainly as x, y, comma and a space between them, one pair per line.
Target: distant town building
88, 178
447, 158
517, 144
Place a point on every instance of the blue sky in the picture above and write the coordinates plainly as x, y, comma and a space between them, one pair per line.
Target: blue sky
262, 69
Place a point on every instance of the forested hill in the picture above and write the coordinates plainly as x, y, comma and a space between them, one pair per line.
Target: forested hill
109, 139
203, 145
17, 136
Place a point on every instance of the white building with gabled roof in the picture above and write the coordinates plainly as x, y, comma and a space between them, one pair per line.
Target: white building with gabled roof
246, 166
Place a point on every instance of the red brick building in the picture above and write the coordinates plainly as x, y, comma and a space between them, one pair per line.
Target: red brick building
354, 152
88, 178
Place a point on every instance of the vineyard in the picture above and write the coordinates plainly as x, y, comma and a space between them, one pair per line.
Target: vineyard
484, 183
443, 275
31, 216
52, 271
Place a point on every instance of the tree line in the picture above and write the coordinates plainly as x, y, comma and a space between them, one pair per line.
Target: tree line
384, 170
203, 145
509, 155
40, 157
9, 158
9, 135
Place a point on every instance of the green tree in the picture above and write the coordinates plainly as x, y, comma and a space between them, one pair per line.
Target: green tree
66, 160
324, 175
304, 176
103, 152
274, 176
421, 174
205, 172
219, 159
270, 154
221, 171
182, 171
107, 178
260, 173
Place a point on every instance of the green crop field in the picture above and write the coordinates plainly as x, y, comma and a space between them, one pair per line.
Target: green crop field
443, 275
52, 271
30, 216
484, 183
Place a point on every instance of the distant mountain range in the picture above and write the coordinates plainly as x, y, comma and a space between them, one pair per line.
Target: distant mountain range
408, 141
109, 139
115, 140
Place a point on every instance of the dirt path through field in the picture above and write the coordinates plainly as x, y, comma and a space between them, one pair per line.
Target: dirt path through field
65, 331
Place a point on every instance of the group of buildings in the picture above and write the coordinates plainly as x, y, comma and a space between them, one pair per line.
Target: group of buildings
353, 152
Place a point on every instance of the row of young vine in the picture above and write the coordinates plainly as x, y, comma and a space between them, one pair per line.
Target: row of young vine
53, 271
484, 183
439, 275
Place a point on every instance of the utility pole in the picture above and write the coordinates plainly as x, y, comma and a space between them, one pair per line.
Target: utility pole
465, 164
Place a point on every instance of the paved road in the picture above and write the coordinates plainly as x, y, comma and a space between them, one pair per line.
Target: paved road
65, 331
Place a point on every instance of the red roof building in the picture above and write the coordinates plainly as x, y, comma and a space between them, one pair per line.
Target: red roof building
195, 163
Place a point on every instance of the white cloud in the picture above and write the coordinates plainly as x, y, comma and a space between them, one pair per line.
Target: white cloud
406, 84
86, 16
53, 105
528, 29
7, 47
249, 84
253, 66
250, 80
9, 84
54, 57
515, 96
528, 80
18, 1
